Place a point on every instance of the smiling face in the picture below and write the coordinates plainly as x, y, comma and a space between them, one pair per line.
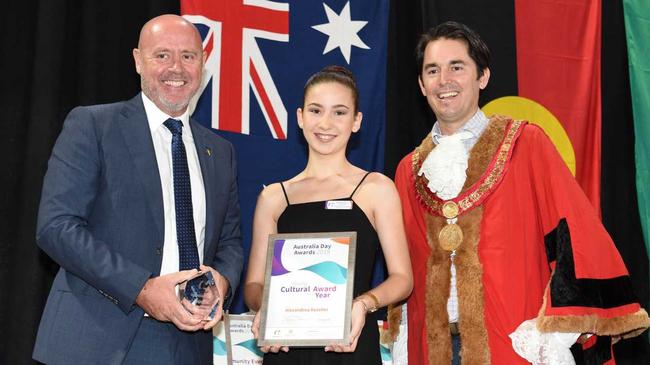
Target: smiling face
169, 59
450, 82
328, 117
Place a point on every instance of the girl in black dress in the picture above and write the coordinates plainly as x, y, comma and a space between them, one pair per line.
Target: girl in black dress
328, 116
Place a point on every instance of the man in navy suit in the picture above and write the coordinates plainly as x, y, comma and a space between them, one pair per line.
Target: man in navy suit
108, 217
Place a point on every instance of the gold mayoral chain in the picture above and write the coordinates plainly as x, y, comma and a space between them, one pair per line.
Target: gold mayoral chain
451, 235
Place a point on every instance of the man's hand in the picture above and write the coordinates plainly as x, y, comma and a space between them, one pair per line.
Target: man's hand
159, 300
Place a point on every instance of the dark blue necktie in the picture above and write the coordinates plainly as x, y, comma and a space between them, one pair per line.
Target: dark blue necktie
187, 251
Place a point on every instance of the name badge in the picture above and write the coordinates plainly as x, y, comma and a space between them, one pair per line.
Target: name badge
338, 204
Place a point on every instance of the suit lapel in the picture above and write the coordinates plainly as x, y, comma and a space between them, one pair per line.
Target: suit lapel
137, 136
206, 160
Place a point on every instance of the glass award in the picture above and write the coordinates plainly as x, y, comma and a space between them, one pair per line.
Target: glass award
200, 295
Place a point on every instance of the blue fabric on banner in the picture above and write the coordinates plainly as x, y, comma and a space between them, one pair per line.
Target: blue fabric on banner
275, 65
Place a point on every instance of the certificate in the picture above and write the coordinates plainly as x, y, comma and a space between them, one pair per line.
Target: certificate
308, 289
219, 349
385, 344
242, 347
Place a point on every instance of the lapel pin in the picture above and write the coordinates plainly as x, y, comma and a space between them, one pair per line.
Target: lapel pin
208, 151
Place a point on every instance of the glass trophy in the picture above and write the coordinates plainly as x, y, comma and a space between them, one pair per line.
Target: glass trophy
200, 295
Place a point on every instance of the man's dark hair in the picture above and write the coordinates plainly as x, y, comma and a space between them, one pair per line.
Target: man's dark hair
476, 48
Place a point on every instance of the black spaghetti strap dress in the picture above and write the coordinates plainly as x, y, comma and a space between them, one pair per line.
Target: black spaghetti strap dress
313, 217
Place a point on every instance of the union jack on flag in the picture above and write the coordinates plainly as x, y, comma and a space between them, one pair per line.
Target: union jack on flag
260, 53
234, 62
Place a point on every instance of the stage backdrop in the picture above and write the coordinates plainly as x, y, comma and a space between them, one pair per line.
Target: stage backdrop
63, 53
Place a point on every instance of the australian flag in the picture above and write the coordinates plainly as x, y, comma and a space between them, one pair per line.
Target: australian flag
260, 53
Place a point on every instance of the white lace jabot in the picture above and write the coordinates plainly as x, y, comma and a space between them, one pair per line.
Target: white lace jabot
445, 166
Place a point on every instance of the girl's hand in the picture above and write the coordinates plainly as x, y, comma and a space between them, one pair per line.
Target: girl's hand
256, 332
356, 325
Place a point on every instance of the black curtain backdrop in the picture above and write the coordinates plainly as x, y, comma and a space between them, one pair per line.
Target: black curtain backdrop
58, 54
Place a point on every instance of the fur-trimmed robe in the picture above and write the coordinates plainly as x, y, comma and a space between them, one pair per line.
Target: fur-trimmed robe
533, 247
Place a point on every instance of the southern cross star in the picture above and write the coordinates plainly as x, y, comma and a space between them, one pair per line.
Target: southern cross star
342, 31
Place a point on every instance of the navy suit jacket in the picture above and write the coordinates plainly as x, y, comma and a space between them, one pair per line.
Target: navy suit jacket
101, 219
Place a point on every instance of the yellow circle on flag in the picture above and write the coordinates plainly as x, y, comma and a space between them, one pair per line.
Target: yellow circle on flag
519, 107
